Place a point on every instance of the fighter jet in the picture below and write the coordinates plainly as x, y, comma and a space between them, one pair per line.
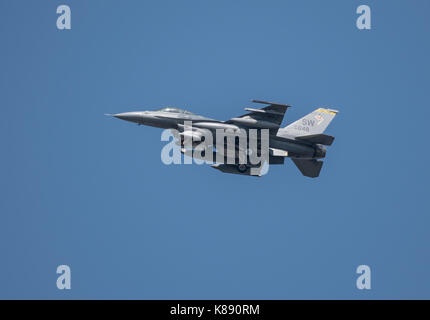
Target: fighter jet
303, 141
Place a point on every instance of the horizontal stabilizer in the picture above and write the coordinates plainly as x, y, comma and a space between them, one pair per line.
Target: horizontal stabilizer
318, 138
309, 168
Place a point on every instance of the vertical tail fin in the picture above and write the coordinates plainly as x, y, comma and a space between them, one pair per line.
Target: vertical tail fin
313, 123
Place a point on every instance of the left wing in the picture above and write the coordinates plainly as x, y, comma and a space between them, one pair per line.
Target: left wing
269, 117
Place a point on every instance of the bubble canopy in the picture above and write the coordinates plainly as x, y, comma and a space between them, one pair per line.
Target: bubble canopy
174, 110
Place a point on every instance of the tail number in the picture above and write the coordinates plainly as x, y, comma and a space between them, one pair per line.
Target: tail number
301, 128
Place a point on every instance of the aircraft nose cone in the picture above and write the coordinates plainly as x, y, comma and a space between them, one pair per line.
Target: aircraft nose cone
129, 116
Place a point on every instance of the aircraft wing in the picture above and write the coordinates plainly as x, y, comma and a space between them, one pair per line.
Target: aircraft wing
269, 117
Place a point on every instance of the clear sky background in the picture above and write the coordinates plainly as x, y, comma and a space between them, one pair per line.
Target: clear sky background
89, 191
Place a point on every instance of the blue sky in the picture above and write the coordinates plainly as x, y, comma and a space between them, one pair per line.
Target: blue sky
81, 189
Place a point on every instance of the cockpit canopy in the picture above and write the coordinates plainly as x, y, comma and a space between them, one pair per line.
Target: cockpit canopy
175, 110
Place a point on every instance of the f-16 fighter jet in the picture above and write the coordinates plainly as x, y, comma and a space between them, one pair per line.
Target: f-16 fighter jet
303, 141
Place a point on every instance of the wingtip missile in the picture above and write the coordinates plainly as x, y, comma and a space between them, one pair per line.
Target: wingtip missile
272, 103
